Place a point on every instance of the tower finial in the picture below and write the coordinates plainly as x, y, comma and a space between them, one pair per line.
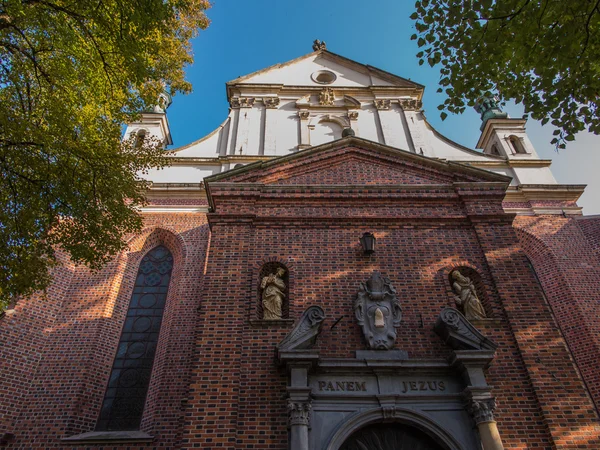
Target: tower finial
487, 106
319, 45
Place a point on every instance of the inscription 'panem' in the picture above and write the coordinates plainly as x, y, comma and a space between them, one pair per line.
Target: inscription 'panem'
346, 386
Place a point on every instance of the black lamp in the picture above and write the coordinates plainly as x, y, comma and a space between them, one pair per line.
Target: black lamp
367, 241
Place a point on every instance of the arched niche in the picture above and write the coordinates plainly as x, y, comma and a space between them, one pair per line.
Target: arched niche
479, 285
267, 269
370, 422
327, 129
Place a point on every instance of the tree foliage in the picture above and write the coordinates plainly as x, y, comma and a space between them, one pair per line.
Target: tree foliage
71, 73
544, 54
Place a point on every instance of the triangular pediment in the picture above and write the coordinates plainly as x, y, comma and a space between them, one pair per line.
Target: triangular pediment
353, 161
348, 73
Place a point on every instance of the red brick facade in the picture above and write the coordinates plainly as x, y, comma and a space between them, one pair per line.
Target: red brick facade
216, 382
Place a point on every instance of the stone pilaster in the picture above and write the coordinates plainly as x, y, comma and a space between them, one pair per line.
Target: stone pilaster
304, 132
482, 412
270, 131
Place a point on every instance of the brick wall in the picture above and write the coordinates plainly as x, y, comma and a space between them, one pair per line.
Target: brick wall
73, 339
565, 258
216, 383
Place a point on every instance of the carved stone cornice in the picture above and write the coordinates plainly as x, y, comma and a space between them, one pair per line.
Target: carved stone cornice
299, 412
304, 115
382, 104
410, 104
271, 102
353, 115
242, 102
481, 410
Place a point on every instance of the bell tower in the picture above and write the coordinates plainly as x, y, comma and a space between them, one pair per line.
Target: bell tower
501, 135
153, 123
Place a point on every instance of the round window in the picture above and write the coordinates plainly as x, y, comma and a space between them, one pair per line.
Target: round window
323, 77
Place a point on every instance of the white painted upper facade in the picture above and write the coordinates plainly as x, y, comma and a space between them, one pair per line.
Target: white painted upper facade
310, 100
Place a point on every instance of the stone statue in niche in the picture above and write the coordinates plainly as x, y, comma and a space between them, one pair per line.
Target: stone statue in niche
466, 296
273, 294
378, 312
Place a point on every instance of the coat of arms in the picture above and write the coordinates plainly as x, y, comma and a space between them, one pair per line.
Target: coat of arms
378, 312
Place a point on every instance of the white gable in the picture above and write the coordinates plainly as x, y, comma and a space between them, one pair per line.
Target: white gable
299, 71
284, 109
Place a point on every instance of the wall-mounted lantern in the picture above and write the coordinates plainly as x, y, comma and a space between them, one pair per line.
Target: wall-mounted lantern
367, 241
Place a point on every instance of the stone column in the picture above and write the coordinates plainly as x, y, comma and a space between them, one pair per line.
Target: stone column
382, 105
411, 109
299, 419
299, 405
243, 127
482, 411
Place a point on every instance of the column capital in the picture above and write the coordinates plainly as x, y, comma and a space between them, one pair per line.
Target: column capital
481, 410
299, 412
271, 102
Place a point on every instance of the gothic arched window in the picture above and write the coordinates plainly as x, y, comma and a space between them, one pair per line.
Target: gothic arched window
130, 377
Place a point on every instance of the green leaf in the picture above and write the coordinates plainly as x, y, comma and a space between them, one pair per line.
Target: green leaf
67, 180
551, 65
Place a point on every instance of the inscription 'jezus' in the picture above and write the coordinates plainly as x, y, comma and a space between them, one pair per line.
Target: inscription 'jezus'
420, 385
347, 386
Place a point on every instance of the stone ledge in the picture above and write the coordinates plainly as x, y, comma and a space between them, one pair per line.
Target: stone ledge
109, 436
280, 323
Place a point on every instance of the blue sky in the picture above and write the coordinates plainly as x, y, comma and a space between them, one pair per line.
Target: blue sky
247, 36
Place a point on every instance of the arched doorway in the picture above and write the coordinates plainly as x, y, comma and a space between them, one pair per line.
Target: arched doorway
390, 436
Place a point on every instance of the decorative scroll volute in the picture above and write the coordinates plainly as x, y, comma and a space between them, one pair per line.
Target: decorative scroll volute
378, 312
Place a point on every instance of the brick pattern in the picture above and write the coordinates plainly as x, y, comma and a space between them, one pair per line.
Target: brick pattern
568, 267
215, 382
66, 389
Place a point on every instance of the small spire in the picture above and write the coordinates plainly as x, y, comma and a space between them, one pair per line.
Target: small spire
319, 45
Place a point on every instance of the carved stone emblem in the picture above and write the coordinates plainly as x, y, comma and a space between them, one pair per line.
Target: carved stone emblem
378, 312
352, 115
304, 115
326, 97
